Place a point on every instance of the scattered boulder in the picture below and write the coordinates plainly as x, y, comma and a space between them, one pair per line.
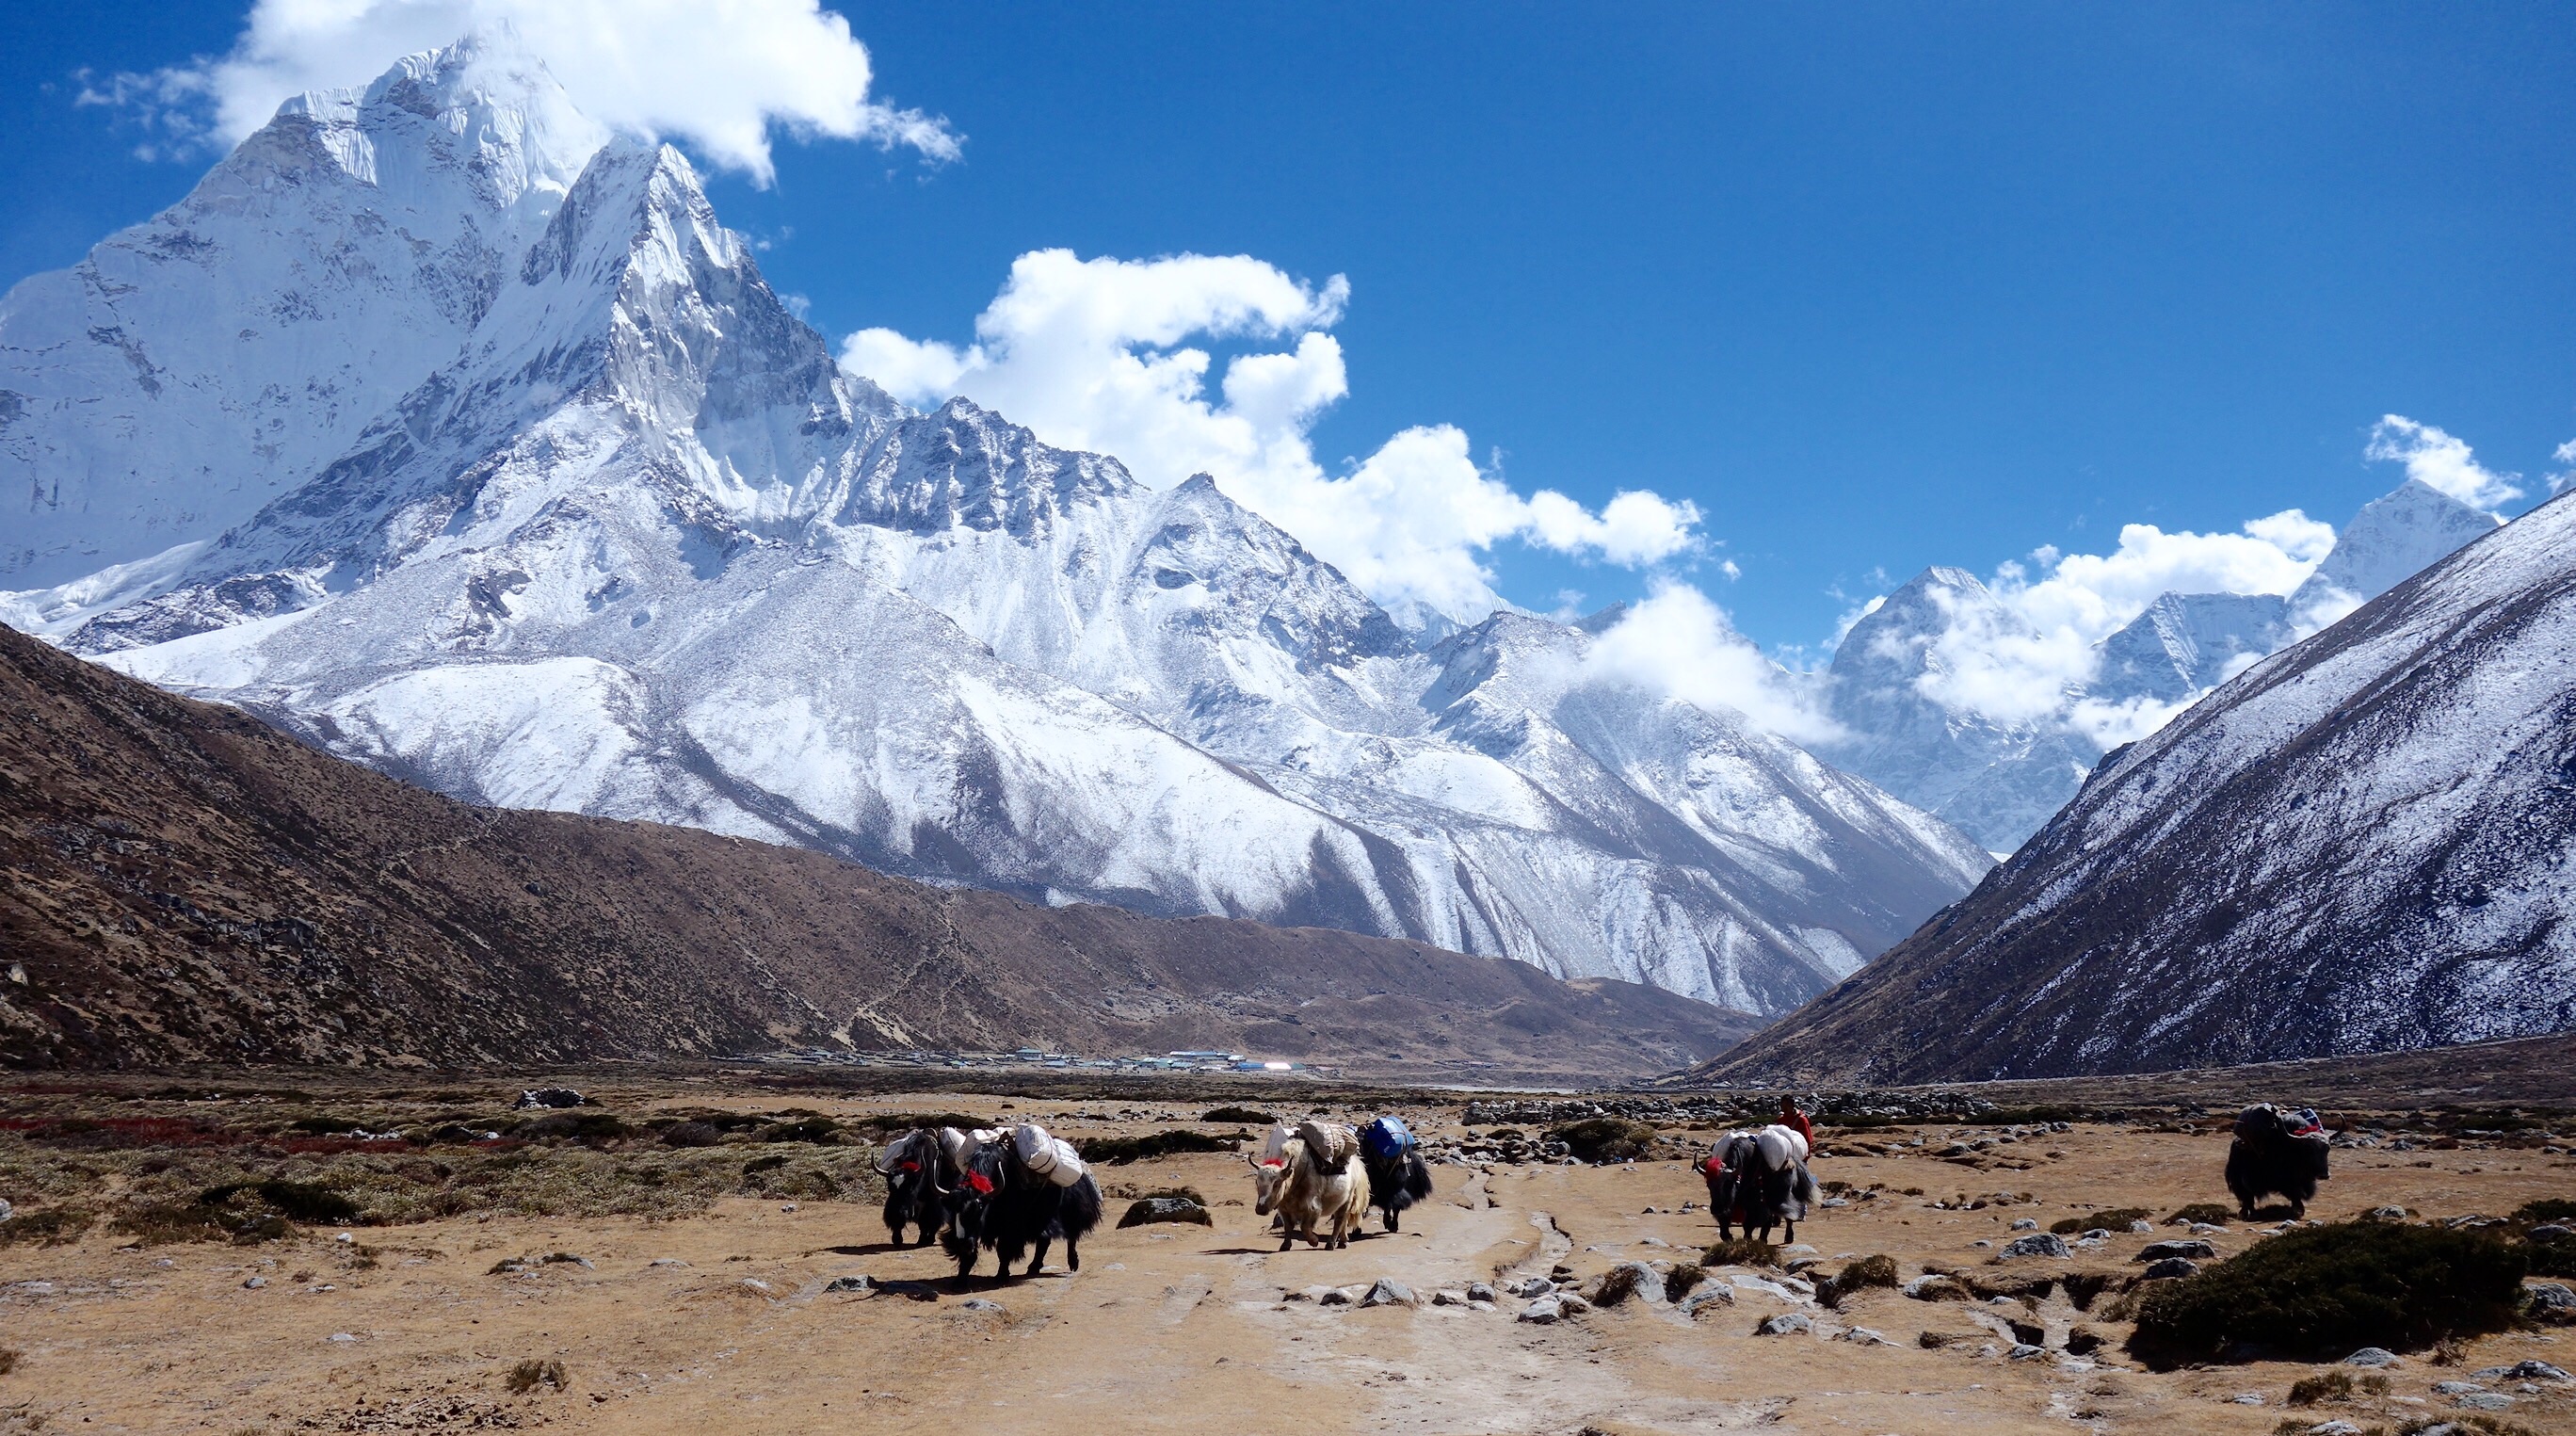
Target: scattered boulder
2025, 1224
2028, 1351
1447, 1297
550, 1097
1705, 1299
2552, 1302
1863, 1336
2166, 1251
1787, 1323
2524, 1371
980, 1303
850, 1286
1387, 1291
2373, 1356
2084, 1341
2170, 1268
1528, 1286
2037, 1244
1544, 1312
1479, 1291
1934, 1286
1165, 1209
1627, 1279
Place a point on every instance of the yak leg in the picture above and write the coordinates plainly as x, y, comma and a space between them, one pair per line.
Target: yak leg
1073, 1253
2298, 1209
1391, 1222
1038, 1260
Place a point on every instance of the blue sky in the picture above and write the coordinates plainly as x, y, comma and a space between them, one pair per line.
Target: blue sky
1896, 286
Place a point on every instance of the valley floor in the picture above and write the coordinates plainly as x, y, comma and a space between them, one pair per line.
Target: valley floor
717, 1320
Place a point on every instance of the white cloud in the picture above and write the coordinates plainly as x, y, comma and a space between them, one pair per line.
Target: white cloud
2566, 454
2436, 458
1678, 643
716, 74
1096, 354
2025, 656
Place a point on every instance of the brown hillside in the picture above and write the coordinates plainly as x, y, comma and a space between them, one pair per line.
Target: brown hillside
180, 883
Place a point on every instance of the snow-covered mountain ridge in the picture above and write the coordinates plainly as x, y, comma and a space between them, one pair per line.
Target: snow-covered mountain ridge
2365, 842
2000, 776
634, 545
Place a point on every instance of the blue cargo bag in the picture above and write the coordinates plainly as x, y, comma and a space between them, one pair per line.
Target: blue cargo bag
1386, 1139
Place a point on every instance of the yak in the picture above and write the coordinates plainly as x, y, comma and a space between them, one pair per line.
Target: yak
1396, 1183
999, 1203
1397, 1175
915, 1189
2276, 1150
1759, 1180
1317, 1199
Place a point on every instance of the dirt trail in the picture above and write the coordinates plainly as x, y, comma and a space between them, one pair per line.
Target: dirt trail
720, 1323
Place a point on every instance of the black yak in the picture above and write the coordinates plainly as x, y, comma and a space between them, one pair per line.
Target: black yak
1759, 1180
914, 1189
1397, 1175
2276, 1150
1000, 1203
1396, 1183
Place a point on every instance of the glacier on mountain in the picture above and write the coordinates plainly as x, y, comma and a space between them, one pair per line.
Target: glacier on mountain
633, 544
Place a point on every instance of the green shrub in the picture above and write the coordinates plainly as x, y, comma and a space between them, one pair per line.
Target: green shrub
295, 1201
821, 1131
1741, 1251
2321, 1293
889, 1123
2115, 1219
1604, 1139
2547, 1209
52, 1227
1240, 1116
2552, 1257
2328, 1386
1867, 1272
1119, 1151
2212, 1213
525, 1376
1684, 1276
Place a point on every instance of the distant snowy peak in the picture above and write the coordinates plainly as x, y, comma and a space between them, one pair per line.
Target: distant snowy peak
2393, 538
2365, 843
1995, 780
197, 365
2187, 643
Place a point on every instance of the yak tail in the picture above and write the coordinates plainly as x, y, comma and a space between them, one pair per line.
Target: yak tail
1808, 1193
1078, 1208
1417, 1178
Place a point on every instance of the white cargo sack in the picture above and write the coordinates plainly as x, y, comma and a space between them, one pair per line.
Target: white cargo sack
1274, 1148
1781, 1146
1050, 1157
1332, 1144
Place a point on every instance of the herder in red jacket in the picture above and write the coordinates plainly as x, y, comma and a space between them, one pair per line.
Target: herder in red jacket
1796, 1121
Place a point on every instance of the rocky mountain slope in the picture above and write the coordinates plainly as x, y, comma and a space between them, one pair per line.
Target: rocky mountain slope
639, 548
2365, 843
184, 884
1999, 778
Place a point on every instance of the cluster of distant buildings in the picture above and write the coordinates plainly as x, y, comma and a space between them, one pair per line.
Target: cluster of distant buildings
1191, 1061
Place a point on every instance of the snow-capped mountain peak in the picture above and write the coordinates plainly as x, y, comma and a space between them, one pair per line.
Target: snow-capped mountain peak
198, 365
636, 546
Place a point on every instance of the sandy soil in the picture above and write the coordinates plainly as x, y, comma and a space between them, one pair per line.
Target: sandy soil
719, 1322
